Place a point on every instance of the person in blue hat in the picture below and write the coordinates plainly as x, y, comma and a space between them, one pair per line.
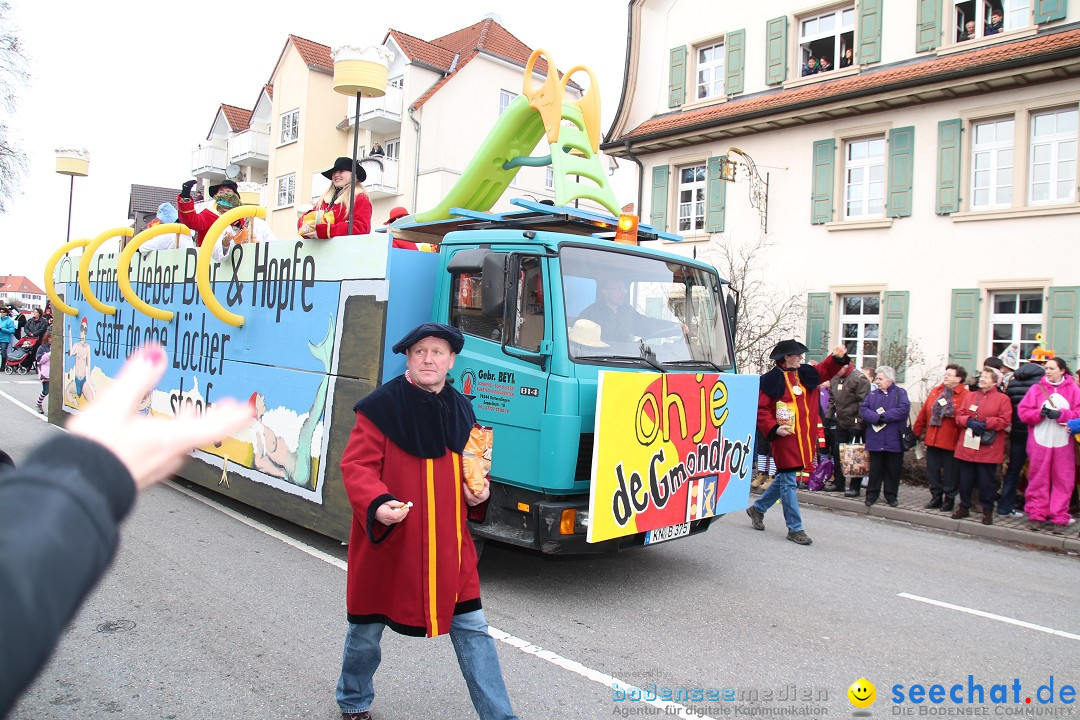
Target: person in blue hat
412, 562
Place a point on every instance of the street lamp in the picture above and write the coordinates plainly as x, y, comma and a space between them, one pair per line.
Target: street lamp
360, 72
76, 163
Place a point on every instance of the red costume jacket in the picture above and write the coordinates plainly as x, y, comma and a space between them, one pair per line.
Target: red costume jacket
413, 576
200, 222
798, 389
361, 220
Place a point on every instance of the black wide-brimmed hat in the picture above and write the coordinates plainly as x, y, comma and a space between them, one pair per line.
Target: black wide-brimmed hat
344, 163
787, 347
226, 184
431, 329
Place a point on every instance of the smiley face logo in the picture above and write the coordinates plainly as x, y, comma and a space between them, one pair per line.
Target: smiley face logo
862, 693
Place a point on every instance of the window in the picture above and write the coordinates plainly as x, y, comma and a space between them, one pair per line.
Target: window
505, 98
290, 126
549, 178
286, 190
1015, 317
824, 38
692, 198
1053, 157
860, 328
864, 179
981, 18
710, 71
392, 148
398, 82
992, 164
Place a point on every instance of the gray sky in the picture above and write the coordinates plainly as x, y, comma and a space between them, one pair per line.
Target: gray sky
138, 84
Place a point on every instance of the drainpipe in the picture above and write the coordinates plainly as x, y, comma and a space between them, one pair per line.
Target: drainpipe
416, 152
640, 176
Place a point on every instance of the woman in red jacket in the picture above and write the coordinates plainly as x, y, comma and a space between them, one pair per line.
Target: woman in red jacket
936, 425
330, 216
984, 414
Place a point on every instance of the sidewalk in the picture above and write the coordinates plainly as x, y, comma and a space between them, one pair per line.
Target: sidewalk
911, 500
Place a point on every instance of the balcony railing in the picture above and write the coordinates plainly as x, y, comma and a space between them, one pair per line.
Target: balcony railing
208, 160
379, 115
250, 147
384, 181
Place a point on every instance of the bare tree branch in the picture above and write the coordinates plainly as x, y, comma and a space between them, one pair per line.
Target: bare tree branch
13, 77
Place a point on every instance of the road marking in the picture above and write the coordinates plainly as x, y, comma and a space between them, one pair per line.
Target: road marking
991, 616
19, 382
27, 408
671, 708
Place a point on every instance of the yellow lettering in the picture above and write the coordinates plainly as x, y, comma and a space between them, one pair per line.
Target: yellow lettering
645, 434
717, 400
666, 402
704, 406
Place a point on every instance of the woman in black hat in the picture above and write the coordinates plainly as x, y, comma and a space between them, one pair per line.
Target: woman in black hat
328, 219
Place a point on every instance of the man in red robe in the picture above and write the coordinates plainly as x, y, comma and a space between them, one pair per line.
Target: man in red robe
412, 562
788, 409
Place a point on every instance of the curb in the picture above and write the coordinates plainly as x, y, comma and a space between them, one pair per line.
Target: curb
944, 522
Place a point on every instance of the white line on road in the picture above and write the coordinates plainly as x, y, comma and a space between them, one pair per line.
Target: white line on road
27, 408
630, 691
19, 382
991, 616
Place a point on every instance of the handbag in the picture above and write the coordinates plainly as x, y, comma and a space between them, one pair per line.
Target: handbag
820, 475
854, 459
908, 439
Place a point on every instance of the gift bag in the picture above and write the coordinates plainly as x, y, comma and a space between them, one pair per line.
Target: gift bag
854, 460
820, 475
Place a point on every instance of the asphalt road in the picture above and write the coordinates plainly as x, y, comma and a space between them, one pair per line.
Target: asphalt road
203, 615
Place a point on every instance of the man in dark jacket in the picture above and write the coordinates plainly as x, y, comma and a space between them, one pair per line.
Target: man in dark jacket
848, 390
1026, 376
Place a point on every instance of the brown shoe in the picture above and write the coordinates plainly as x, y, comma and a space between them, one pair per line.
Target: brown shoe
988, 517
960, 513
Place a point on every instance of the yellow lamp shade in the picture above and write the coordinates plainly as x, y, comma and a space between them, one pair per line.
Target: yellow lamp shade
250, 198
360, 76
68, 165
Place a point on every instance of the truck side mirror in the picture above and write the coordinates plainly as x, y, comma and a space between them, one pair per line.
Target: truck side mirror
493, 290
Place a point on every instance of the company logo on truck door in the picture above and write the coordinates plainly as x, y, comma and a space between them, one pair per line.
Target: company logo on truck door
493, 389
669, 449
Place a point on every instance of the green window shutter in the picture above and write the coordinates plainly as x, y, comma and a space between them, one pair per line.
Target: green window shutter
821, 198
659, 204
715, 197
1047, 10
928, 32
964, 328
817, 326
1061, 323
894, 314
776, 51
948, 166
677, 77
901, 168
869, 31
734, 61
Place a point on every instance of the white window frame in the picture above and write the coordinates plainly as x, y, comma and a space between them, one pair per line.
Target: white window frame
289, 127
839, 29
866, 189
862, 334
392, 148
696, 187
549, 177
714, 67
1016, 14
999, 155
505, 98
286, 183
397, 82
1016, 320
1061, 161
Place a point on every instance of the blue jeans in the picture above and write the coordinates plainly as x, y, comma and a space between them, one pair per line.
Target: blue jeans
783, 487
475, 653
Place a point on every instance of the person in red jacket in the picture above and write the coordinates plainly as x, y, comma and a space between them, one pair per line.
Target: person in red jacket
201, 221
330, 216
788, 410
936, 426
985, 414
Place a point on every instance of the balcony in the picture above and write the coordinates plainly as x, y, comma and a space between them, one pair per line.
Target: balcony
209, 162
381, 115
384, 182
251, 148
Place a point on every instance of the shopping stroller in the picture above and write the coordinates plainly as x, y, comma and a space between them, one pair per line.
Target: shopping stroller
22, 355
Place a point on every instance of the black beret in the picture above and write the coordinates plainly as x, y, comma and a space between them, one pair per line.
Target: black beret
431, 329
787, 347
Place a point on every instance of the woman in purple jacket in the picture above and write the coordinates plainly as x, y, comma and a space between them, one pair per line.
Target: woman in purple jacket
885, 412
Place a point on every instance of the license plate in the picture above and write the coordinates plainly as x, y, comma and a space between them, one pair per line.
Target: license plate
664, 534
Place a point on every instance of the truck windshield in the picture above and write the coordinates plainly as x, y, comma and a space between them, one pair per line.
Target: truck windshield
620, 305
